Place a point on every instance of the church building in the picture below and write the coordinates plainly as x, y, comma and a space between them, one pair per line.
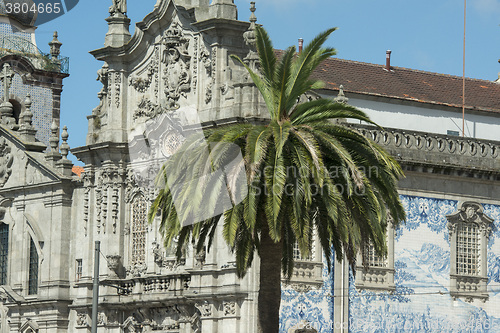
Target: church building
173, 76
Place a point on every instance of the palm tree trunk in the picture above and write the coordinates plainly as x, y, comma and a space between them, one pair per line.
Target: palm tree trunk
270, 283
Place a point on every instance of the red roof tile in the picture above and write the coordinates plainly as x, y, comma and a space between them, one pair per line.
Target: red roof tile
408, 84
77, 170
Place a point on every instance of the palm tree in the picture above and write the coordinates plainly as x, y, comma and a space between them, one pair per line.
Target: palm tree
303, 171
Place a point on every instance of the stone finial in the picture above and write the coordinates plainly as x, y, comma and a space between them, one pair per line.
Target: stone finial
63, 164
250, 37
27, 130
52, 155
64, 144
27, 116
54, 138
341, 98
55, 46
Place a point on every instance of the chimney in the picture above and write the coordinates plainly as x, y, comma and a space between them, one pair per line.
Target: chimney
388, 60
301, 44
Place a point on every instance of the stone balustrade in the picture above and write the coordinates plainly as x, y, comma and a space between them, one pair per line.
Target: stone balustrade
437, 152
151, 284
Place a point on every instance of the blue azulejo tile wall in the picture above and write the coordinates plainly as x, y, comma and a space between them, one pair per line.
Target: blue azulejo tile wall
311, 309
421, 301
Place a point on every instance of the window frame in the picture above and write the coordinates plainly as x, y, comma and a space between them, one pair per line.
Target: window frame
469, 286
378, 278
78, 269
307, 272
4, 264
33, 268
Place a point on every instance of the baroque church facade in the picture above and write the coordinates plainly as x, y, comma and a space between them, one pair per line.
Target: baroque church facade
173, 77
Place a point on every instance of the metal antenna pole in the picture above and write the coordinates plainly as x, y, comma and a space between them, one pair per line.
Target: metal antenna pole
95, 289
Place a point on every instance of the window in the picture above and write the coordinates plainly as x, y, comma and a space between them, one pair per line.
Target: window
307, 271
297, 255
4, 251
371, 257
468, 249
78, 273
33, 269
139, 229
469, 232
374, 272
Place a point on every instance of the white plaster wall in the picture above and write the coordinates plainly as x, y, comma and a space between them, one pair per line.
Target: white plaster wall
429, 120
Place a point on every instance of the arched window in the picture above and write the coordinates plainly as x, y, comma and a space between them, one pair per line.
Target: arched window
4, 252
138, 230
33, 269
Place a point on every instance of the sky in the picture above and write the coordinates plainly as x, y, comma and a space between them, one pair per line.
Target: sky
425, 35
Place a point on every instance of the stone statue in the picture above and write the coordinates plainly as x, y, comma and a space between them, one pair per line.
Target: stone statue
118, 7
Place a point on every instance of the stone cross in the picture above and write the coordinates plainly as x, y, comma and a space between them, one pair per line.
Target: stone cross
6, 76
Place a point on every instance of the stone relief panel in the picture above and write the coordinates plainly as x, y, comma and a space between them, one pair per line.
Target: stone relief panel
170, 318
177, 73
181, 63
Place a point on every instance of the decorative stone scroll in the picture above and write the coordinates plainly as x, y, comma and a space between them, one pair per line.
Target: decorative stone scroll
141, 83
6, 160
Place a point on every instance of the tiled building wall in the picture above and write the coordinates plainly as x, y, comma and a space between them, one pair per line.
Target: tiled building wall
9, 30
41, 105
422, 301
312, 309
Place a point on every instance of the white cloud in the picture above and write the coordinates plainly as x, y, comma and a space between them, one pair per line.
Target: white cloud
487, 7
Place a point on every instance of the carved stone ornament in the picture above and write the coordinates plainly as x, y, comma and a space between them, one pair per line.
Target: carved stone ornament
229, 308
170, 262
81, 319
101, 318
136, 270
114, 263
205, 309
6, 160
146, 108
118, 83
470, 212
177, 73
102, 76
142, 83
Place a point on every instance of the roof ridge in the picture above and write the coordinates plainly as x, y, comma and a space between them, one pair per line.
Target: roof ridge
410, 69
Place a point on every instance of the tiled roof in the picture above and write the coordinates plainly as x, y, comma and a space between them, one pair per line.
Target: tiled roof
409, 84
77, 170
